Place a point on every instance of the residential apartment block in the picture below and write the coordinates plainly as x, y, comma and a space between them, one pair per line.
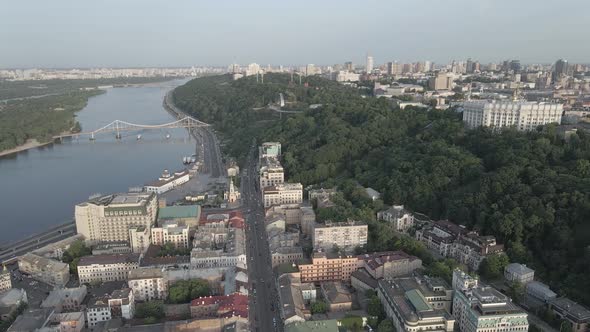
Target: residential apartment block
521, 115
171, 232
348, 235
5, 280
226, 248
66, 299
148, 284
389, 264
328, 267
285, 193
103, 268
482, 308
44, 269
451, 240
109, 218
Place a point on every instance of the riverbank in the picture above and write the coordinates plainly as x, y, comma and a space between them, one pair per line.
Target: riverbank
30, 144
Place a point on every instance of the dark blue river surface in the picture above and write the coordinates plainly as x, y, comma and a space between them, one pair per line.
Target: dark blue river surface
39, 187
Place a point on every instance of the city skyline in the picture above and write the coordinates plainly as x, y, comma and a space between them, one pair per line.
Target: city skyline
154, 34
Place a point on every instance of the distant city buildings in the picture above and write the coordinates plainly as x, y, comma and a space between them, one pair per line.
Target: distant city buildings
441, 81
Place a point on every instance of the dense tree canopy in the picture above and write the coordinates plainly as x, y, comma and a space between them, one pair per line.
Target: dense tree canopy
530, 190
184, 291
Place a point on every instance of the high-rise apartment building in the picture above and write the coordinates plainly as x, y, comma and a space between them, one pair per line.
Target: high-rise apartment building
522, 115
109, 218
561, 68
369, 66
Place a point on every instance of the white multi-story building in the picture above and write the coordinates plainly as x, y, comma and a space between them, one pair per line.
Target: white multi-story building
122, 303
167, 181
148, 284
400, 219
285, 193
97, 312
479, 308
347, 235
269, 149
103, 268
521, 115
520, 273
271, 172
139, 239
171, 232
369, 66
109, 218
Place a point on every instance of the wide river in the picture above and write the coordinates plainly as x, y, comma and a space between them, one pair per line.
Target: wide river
40, 187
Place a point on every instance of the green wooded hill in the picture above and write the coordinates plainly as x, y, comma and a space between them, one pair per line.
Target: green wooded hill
530, 190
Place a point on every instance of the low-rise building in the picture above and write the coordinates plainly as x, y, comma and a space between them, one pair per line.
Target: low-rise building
167, 181
577, 315
400, 219
220, 306
315, 326
148, 284
286, 255
328, 267
269, 149
98, 311
284, 193
321, 193
31, 320
451, 240
66, 299
112, 248
10, 300
414, 306
225, 250
539, 291
292, 307
373, 194
103, 268
171, 232
362, 281
122, 303
478, 307
389, 264
188, 215
337, 296
520, 273
346, 235
44, 269
68, 321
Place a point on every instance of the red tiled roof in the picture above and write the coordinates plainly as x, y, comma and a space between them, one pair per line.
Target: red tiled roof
227, 306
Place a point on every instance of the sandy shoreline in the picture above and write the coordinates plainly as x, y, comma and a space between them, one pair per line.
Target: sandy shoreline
30, 144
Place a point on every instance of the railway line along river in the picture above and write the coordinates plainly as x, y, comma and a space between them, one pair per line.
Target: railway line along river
39, 187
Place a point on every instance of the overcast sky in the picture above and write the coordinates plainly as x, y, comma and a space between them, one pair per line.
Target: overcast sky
86, 33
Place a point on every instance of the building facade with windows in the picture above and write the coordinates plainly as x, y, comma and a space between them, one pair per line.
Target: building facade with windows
171, 232
347, 235
44, 269
103, 268
109, 218
284, 193
148, 284
521, 115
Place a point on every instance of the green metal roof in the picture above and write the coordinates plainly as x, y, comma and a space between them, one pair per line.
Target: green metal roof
417, 300
181, 211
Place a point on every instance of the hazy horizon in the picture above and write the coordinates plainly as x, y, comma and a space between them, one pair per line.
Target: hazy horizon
68, 33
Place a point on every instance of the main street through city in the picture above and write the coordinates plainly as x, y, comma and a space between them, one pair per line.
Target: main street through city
264, 299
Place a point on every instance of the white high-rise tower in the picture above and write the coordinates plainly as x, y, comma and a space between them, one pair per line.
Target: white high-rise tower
369, 64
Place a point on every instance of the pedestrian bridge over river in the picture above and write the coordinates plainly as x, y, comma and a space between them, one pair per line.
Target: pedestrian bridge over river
119, 126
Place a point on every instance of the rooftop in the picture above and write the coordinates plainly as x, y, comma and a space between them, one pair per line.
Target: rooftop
180, 211
57, 296
109, 259
377, 259
572, 309
518, 269
48, 264
145, 273
228, 305
336, 292
313, 326
121, 199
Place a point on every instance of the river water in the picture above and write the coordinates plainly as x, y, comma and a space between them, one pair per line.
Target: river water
40, 187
